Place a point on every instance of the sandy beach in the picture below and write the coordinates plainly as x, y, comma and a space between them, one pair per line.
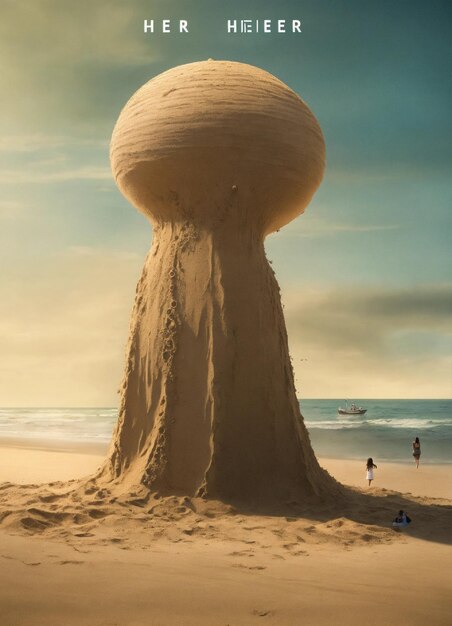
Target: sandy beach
42, 461
430, 480
180, 561
25, 462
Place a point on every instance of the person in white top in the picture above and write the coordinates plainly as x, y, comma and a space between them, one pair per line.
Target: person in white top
370, 465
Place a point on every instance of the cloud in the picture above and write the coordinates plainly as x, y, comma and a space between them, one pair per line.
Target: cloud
28, 143
99, 252
64, 64
358, 319
63, 331
373, 342
424, 306
380, 172
316, 227
57, 33
37, 142
11, 209
35, 176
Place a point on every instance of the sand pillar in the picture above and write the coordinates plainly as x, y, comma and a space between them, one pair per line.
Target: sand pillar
217, 155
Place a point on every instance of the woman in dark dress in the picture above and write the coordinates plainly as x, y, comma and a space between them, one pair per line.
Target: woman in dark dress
417, 451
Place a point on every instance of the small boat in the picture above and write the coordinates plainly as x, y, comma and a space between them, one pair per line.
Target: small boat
353, 409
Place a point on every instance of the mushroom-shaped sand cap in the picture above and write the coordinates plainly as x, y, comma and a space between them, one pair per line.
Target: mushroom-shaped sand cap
198, 134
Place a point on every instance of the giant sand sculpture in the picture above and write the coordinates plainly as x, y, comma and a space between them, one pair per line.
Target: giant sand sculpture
217, 155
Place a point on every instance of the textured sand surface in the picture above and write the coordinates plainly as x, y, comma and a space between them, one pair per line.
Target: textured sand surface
85, 558
205, 584
217, 155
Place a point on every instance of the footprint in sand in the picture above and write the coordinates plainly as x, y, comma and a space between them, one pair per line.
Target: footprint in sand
49, 498
40, 519
97, 513
263, 612
139, 502
33, 524
80, 518
71, 562
292, 548
78, 550
338, 523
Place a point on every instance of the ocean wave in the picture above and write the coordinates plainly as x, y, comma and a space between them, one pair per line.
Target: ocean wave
387, 428
332, 425
411, 424
72, 425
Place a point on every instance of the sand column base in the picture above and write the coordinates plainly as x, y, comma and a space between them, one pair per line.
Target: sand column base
208, 401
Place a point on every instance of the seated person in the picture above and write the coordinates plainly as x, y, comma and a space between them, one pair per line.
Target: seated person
401, 520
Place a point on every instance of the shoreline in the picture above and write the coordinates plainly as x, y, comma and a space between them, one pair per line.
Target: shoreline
54, 445
101, 448
40, 461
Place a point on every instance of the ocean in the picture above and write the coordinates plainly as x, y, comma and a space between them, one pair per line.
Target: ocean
386, 431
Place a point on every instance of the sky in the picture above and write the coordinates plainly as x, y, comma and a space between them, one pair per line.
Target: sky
365, 273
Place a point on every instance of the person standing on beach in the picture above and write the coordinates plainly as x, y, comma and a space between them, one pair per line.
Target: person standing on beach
370, 470
417, 451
